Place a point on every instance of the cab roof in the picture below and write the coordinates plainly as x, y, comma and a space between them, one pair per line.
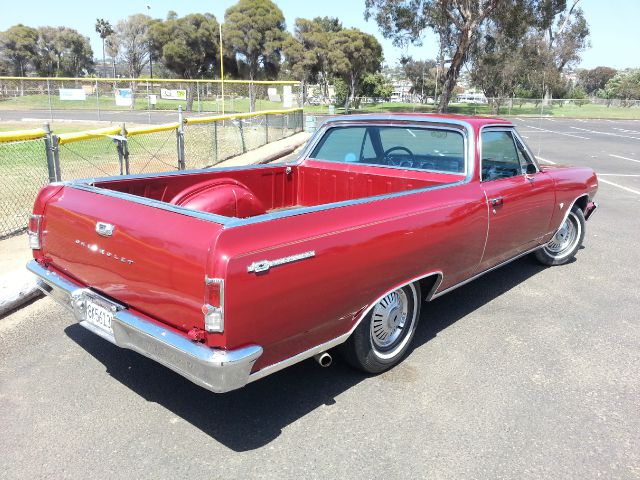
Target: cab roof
475, 121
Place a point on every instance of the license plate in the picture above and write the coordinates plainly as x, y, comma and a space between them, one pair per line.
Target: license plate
99, 316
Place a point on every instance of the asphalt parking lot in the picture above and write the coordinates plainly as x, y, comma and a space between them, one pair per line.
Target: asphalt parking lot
527, 372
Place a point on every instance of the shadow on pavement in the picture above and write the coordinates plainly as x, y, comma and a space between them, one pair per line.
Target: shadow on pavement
253, 416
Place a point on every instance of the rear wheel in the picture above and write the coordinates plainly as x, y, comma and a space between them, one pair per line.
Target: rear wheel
383, 337
566, 242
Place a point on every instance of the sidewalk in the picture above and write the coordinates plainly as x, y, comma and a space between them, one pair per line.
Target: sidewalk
18, 286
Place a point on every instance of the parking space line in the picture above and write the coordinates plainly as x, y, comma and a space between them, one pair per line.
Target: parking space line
619, 186
558, 133
624, 158
636, 132
618, 175
605, 133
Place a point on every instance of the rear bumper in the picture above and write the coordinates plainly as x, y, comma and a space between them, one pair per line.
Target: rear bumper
591, 207
214, 369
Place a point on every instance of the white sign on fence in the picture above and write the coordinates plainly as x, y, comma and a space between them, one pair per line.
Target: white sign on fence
287, 96
272, 93
72, 94
124, 97
173, 94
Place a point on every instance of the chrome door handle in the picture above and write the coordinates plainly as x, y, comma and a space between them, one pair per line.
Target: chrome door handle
496, 201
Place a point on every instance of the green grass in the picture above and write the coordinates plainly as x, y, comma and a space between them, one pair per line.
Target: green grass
528, 109
41, 102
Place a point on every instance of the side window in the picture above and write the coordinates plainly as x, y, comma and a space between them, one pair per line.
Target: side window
367, 152
341, 145
499, 156
525, 158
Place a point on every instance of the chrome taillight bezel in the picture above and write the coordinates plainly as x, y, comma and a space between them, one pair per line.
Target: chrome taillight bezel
34, 232
213, 308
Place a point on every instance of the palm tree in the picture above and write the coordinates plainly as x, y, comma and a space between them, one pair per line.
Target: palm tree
104, 29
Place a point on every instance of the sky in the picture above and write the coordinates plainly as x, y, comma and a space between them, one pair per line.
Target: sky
613, 24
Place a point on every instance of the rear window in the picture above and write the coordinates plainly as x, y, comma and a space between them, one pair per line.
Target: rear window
394, 146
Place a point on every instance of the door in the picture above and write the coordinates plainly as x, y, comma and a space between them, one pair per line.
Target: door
520, 197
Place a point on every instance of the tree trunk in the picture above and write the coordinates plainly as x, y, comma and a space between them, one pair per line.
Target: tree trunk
351, 94
104, 61
21, 81
454, 70
252, 91
189, 97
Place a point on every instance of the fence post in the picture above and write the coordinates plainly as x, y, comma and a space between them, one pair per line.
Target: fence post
123, 151
266, 129
215, 140
55, 147
49, 98
244, 145
198, 92
98, 99
180, 140
48, 147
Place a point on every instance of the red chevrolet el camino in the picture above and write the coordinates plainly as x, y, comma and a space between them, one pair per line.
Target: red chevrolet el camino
228, 275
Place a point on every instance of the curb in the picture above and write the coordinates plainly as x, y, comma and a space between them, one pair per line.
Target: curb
17, 289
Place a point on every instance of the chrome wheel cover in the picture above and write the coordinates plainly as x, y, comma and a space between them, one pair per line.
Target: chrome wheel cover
392, 322
566, 238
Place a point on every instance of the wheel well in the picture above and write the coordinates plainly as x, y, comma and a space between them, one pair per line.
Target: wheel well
582, 202
429, 284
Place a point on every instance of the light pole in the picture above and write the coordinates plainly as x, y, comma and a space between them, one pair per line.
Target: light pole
149, 47
221, 67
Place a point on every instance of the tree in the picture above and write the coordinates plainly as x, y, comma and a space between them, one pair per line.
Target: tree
353, 54
254, 32
375, 85
62, 51
187, 46
134, 42
112, 45
104, 29
565, 33
422, 75
315, 36
525, 46
18, 47
595, 79
624, 85
455, 21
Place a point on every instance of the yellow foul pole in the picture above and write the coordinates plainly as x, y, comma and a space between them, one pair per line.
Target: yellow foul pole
221, 67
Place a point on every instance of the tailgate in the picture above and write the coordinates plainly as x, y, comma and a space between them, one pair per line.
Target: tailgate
154, 261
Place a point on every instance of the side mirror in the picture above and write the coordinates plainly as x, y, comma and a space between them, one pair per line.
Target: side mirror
531, 169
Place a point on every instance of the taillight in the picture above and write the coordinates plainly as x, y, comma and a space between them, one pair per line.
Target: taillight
213, 308
35, 225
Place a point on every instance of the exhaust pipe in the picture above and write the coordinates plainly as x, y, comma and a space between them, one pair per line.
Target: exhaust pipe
324, 359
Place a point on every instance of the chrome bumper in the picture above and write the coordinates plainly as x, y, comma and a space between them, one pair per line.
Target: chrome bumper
214, 369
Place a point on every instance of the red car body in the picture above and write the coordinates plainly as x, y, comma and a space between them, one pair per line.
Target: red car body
184, 244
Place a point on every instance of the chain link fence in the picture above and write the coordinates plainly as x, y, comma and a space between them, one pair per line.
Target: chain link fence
478, 104
102, 95
24, 172
30, 159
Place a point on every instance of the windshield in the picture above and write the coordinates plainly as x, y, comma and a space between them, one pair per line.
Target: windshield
394, 146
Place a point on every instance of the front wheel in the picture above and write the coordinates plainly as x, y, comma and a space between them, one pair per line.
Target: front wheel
383, 337
566, 242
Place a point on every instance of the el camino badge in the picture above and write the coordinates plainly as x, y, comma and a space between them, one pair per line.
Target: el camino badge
265, 265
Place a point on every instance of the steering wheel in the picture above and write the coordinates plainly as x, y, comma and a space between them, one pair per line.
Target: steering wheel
403, 163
